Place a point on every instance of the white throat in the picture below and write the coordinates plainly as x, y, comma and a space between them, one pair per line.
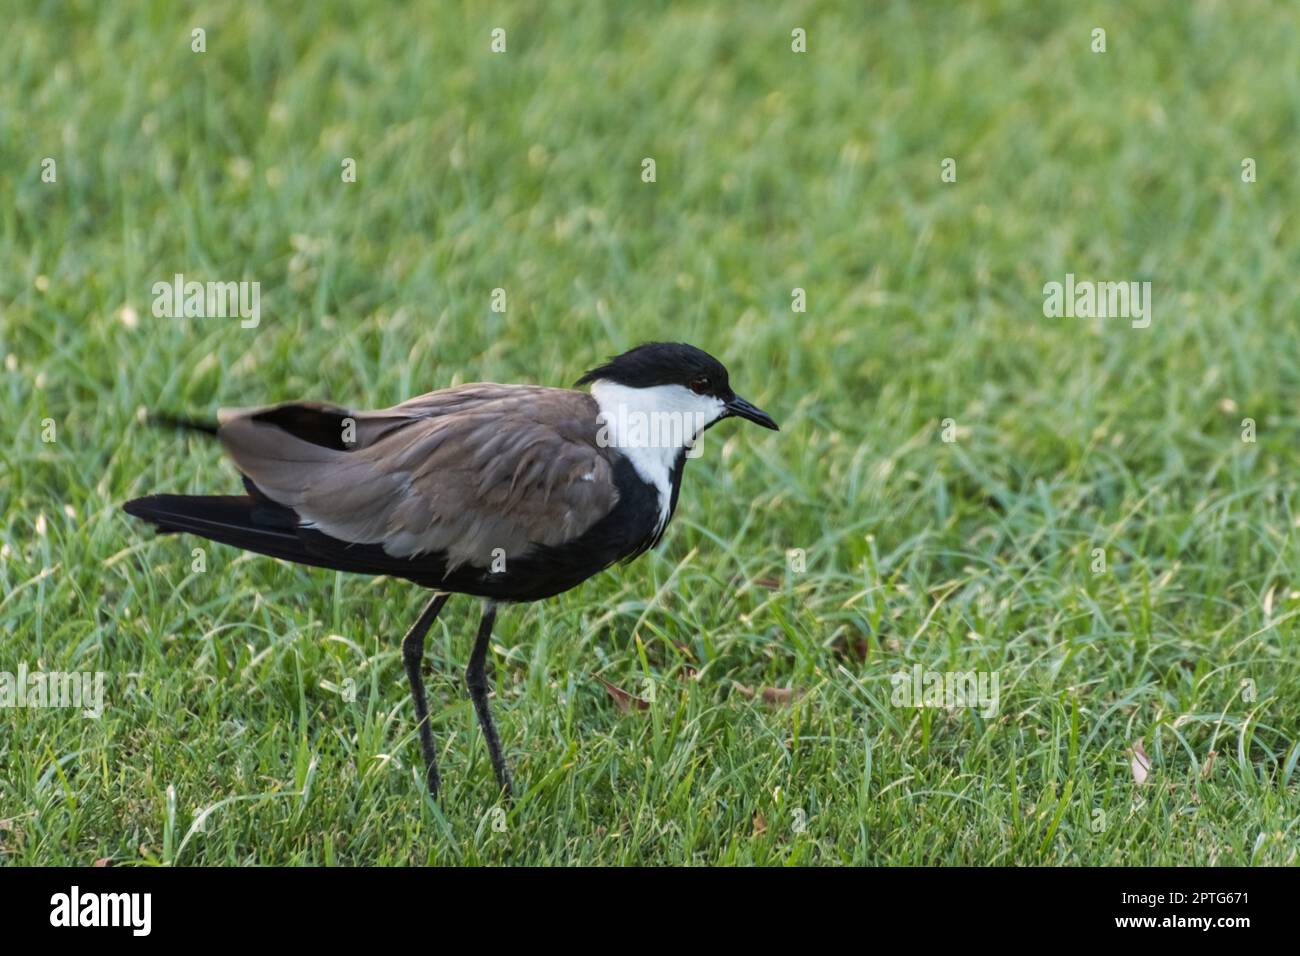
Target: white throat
651, 427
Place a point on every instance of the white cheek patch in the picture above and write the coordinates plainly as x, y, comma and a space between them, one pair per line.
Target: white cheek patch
651, 426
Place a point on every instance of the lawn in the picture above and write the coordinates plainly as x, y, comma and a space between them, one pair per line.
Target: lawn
1101, 516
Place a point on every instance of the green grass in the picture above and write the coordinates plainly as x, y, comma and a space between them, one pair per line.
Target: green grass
774, 170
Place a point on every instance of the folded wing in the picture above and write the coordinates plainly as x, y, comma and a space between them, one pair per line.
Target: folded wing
469, 473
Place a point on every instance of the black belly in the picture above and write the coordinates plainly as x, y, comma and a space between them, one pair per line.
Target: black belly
627, 531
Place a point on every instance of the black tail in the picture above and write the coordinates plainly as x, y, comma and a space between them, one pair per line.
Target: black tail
167, 420
241, 520
255, 523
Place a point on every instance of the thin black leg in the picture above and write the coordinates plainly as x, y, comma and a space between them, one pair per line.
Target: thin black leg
476, 681
412, 657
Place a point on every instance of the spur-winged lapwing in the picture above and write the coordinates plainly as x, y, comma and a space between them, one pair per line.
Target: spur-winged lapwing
504, 492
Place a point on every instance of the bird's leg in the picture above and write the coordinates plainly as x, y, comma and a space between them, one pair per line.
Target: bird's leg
476, 681
412, 657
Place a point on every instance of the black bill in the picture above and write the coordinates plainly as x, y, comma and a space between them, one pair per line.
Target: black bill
743, 409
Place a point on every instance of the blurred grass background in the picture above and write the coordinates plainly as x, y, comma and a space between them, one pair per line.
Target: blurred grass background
775, 170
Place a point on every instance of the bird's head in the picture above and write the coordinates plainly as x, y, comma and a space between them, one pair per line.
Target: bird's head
673, 377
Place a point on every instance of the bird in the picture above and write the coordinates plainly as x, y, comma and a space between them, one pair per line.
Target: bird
507, 493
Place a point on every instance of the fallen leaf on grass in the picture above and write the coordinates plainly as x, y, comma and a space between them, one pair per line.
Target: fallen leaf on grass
760, 824
855, 647
623, 699
1207, 768
1140, 763
686, 668
770, 695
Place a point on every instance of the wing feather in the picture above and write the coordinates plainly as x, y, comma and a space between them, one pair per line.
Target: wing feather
460, 472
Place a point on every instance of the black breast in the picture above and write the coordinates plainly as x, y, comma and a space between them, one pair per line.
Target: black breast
627, 531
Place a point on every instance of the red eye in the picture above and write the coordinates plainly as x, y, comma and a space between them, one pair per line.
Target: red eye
700, 386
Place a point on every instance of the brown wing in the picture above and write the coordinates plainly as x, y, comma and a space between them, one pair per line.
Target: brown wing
461, 472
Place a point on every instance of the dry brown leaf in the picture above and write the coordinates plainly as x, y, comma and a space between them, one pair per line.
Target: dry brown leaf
760, 824
855, 647
1207, 768
1139, 763
102, 862
622, 698
770, 695
686, 668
